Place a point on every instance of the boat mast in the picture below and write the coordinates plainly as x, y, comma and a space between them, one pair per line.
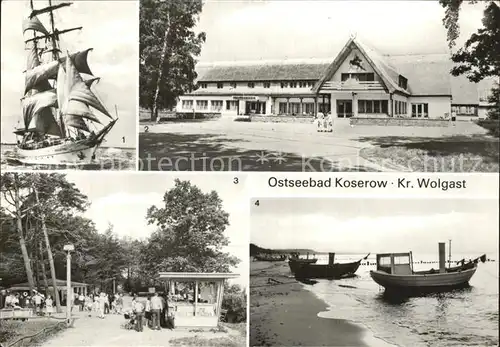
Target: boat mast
449, 254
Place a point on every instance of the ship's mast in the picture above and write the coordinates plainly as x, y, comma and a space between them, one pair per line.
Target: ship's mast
55, 49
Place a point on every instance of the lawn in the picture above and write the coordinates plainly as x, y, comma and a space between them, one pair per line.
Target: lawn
13, 330
235, 337
476, 153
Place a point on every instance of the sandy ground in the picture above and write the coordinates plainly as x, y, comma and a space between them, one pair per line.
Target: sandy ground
92, 331
283, 313
247, 146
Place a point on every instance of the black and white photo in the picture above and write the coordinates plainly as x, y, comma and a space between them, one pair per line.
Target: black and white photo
325, 86
69, 85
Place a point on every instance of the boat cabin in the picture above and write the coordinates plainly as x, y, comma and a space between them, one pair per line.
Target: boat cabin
395, 263
195, 299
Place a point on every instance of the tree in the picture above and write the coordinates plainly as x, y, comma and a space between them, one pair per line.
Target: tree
13, 185
480, 56
190, 234
168, 47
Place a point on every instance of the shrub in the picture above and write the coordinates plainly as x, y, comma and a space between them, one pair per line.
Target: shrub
235, 302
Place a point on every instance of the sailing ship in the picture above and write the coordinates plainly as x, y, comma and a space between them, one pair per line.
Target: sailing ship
395, 273
63, 120
331, 270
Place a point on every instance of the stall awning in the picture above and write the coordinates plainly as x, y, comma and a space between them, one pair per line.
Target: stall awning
61, 284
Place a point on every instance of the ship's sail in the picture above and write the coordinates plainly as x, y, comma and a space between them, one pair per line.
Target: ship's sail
45, 72
35, 103
79, 93
44, 123
57, 98
34, 23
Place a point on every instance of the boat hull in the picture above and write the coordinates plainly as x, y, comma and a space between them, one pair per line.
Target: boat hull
72, 153
335, 271
295, 263
79, 152
435, 282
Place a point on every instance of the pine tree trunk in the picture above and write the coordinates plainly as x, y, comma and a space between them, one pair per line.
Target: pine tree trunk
154, 113
42, 265
49, 251
22, 241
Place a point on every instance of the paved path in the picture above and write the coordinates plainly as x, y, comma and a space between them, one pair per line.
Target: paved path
258, 146
107, 332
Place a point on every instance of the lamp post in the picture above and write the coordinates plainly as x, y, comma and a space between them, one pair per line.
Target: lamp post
68, 249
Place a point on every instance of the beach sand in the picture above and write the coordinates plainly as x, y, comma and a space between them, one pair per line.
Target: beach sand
283, 313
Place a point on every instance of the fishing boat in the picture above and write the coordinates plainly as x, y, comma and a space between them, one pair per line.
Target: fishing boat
331, 270
63, 120
395, 273
295, 261
269, 257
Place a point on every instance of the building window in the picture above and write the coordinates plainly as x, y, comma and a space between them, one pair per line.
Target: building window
233, 85
308, 108
284, 85
361, 77
203, 85
403, 82
372, 106
187, 104
251, 85
267, 85
231, 105
220, 85
202, 104
293, 84
216, 105
420, 110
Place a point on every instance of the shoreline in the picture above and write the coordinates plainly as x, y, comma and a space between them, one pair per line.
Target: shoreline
284, 313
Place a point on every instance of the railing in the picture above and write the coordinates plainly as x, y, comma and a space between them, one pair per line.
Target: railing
350, 85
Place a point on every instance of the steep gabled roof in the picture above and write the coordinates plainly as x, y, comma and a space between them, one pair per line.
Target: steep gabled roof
426, 74
387, 73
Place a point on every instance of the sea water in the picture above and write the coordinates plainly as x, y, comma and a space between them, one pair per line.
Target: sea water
466, 317
107, 158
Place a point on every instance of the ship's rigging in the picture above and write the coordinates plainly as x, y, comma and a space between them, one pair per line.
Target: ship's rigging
59, 104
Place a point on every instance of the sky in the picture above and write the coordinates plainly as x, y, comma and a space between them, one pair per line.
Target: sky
303, 30
355, 225
109, 27
122, 199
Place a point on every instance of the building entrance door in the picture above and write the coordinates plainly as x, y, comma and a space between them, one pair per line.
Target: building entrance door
255, 107
344, 108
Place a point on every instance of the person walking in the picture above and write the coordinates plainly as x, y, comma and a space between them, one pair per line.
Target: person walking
37, 300
139, 314
106, 303
81, 301
102, 305
156, 308
119, 303
49, 306
147, 313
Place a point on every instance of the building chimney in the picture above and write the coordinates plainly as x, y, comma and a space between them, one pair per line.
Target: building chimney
331, 258
442, 257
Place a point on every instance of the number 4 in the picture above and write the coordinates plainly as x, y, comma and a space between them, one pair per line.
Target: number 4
257, 203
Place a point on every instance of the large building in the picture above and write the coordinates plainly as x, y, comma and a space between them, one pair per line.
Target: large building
358, 83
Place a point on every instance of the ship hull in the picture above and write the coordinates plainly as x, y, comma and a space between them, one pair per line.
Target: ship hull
80, 152
422, 283
74, 153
